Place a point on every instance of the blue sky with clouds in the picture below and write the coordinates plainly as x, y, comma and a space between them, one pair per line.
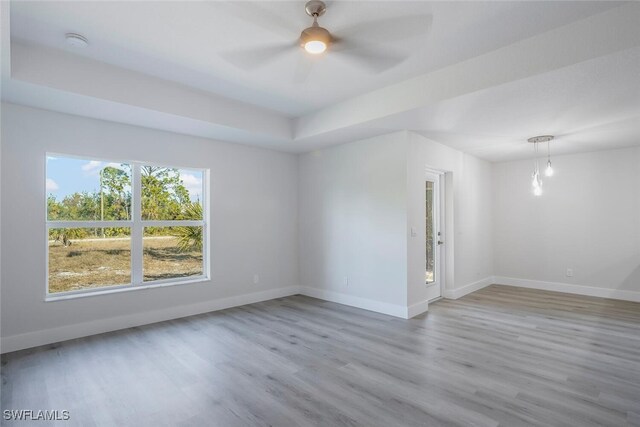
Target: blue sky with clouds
68, 175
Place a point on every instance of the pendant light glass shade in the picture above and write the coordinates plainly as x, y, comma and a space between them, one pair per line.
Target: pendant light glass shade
549, 170
536, 183
535, 179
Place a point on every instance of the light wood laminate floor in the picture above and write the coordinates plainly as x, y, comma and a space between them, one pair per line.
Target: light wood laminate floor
501, 356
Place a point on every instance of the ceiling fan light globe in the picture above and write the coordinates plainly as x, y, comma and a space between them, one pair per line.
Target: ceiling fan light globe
315, 47
315, 40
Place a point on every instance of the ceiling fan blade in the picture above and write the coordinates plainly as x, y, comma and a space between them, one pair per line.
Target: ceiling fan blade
388, 30
373, 58
257, 56
260, 16
303, 69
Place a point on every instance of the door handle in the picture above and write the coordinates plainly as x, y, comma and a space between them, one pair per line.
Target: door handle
440, 242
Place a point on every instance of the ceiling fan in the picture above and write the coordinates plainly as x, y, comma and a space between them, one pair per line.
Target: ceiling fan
362, 43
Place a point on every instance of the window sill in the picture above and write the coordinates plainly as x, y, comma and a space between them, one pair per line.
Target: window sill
123, 288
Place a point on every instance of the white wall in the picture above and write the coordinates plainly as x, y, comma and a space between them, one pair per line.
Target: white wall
358, 202
253, 219
588, 219
352, 217
336, 213
468, 235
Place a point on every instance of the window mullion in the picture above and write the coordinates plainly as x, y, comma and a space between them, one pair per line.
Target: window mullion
136, 229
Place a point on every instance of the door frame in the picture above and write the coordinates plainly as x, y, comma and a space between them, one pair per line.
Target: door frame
440, 204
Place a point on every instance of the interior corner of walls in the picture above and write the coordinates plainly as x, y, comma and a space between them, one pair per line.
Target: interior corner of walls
355, 301
468, 288
556, 240
568, 288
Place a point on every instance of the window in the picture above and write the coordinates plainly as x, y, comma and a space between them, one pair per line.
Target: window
114, 225
430, 226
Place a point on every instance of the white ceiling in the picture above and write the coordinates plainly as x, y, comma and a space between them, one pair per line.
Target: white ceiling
186, 41
589, 106
483, 77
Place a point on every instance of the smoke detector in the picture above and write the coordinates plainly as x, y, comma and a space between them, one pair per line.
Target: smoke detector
76, 40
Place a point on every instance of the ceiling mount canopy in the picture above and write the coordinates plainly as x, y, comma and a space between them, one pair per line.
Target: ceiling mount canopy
540, 139
315, 8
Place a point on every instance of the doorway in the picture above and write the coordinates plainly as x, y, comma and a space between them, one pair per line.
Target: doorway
434, 236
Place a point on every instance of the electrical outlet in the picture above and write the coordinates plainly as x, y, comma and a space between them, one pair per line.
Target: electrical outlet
256, 279
346, 280
569, 272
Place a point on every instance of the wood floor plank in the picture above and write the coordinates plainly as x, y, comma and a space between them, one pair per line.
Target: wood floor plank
502, 356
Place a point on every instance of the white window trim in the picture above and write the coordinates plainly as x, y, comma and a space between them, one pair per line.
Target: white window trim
137, 225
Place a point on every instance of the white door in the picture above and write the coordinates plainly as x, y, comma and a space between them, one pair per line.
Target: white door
434, 238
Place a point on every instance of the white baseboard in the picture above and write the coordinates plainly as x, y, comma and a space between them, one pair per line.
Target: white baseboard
416, 309
79, 330
569, 288
353, 301
467, 289
63, 333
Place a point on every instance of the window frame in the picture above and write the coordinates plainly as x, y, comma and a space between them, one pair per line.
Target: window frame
136, 225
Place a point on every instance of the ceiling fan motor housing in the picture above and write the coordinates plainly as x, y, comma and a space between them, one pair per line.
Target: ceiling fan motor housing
315, 33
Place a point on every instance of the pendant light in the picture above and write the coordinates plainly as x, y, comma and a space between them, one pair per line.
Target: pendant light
549, 170
536, 181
